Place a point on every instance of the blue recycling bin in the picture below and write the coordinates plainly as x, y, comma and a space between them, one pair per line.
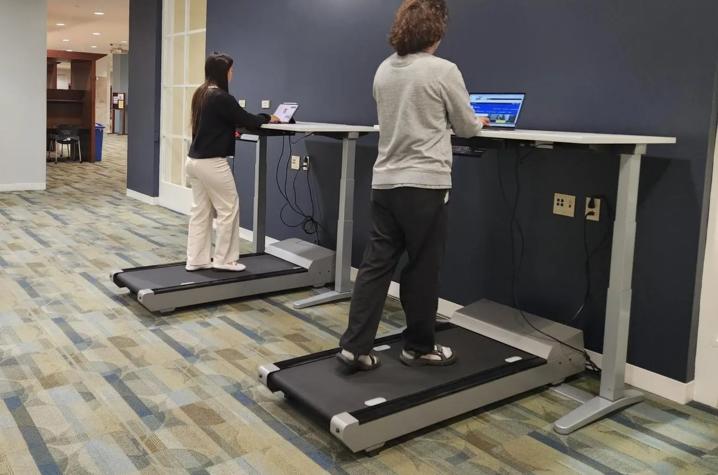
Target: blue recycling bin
99, 133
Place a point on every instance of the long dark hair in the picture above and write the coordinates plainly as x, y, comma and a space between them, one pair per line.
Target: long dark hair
216, 68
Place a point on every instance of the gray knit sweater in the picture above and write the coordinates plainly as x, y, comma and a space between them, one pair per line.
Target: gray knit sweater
420, 99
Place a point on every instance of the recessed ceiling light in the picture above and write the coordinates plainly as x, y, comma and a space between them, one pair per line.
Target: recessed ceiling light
124, 41
69, 50
97, 33
93, 46
59, 24
99, 13
65, 40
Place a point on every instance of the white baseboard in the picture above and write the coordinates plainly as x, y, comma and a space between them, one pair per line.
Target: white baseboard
654, 383
22, 187
248, 235
150, 200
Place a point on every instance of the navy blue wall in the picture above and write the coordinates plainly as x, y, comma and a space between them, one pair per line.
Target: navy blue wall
641, 67
143, 146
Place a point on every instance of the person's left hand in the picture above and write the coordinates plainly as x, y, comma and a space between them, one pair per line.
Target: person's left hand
274, 119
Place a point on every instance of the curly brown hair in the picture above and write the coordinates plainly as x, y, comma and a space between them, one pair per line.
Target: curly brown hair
418, 25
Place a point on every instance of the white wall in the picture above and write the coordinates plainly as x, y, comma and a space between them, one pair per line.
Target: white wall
23, 83
102, 95
706, 382
64, 75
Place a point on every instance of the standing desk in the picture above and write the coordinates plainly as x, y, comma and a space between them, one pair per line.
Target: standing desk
613, 395
348, 134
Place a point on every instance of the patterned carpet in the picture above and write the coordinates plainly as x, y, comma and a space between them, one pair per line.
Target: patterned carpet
90, 382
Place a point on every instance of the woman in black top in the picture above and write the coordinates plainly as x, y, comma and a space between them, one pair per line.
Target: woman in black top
215, 116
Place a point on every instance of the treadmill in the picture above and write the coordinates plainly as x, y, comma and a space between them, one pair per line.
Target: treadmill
498, 356
284, 265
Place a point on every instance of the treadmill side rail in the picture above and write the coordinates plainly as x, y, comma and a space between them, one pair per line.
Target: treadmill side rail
162, 301
359, 437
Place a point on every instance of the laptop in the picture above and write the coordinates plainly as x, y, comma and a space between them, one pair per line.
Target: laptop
286, 111
503, 110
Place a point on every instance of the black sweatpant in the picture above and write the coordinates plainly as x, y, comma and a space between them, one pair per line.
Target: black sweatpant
403, 219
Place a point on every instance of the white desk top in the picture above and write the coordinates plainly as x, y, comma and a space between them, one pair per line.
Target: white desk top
317, 128
574, 137
585, 138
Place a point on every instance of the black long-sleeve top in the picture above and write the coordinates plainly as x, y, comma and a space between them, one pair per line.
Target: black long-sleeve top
219, 117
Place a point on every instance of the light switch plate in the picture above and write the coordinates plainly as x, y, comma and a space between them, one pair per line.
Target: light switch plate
564, 205
242, 103
266, 104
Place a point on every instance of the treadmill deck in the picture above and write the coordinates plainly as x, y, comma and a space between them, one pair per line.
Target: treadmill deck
327, 387
169, 277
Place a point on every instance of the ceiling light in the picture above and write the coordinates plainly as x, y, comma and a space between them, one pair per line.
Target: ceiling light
97, 33
59, 24
65, 40
69, 50
93, 46
124, 41
99, 13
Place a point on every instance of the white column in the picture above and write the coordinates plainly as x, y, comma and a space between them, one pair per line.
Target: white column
23, 93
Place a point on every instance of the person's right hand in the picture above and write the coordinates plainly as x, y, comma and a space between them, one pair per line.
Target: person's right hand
485, 121
274, 119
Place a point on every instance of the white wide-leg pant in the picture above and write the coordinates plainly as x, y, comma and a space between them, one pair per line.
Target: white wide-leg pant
213, 188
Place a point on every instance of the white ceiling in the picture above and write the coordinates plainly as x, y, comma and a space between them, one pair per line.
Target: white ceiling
81, 22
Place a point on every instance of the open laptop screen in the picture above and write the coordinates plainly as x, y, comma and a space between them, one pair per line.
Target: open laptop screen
503, 110
286, 111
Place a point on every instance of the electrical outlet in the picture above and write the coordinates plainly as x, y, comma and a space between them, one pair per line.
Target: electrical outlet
242, 103
564, 205
295, 162
266, 104
305, 163
593, 214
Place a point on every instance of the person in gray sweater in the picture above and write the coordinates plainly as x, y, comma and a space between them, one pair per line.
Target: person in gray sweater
420, 99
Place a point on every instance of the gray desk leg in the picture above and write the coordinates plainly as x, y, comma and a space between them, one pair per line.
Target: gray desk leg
260, 197
342, 273
613, 395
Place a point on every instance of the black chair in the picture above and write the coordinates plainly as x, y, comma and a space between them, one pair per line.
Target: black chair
68, 135
51, 140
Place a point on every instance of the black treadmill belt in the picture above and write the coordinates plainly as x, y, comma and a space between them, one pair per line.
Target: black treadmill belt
328, 388
174, 277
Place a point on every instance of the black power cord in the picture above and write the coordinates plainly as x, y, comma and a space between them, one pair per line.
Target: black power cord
307, 221
590, 253
516, 264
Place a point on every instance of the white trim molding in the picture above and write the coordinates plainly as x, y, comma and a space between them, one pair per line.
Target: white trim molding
22, 187
150, 200
248, 235
654, 383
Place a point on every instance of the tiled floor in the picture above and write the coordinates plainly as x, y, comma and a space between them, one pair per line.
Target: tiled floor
90, 382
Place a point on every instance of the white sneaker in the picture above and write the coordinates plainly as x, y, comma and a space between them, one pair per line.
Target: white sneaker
192, 268
232, 266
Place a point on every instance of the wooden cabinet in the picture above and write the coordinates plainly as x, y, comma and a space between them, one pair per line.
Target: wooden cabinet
74, 106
